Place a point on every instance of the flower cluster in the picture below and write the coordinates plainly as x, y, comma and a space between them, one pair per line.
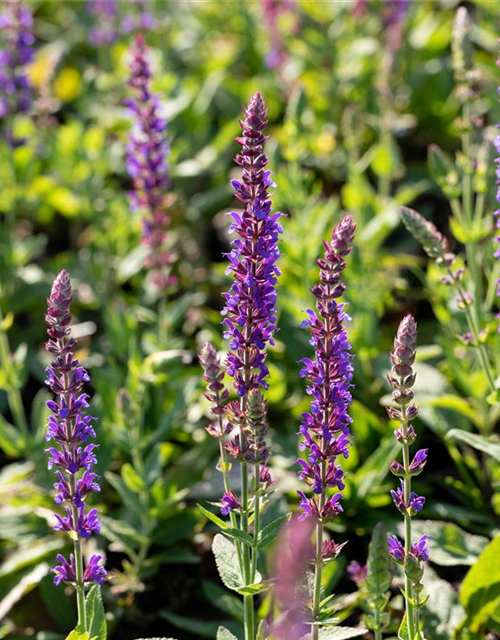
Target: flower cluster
70, 428
325, 429
496, 213
16, 26
249, 312
147, 165
402, 379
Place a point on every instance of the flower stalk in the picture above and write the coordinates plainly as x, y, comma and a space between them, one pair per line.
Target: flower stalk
411, 556
436, 247
249, 319
325, 429
70, 428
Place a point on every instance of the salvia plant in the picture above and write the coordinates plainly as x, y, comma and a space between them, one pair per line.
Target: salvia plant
411, 555
69, 429
284, 571
325, 429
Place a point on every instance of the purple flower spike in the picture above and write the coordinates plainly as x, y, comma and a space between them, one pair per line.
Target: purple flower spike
250, 312
16, 29
402, 380
68, 428
148, 168
325, 429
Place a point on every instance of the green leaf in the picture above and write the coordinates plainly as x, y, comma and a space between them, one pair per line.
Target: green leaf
254, 589
78, 634
215, 519
451, 545
22, 587
11, 441
96, 618
480, 591
340, 633
226, 560
237, 534
202, 628
132, 479
128, 497
271, 531
442, 612
375, 469
486, 445
225, 634
223, 600
378, 578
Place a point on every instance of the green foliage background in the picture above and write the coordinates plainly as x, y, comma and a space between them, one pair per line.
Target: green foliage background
335, 144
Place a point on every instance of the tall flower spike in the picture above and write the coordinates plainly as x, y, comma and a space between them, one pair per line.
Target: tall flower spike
325, 428
16, 27
496, 213
250, 311
147, 165
70, 428
402, 379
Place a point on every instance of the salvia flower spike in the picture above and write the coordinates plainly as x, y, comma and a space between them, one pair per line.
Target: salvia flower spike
147, 165
71, 455
404, 410
250, 309
249, 319
16, 27
325, 428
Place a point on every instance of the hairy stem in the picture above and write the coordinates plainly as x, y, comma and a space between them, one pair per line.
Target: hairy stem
256, 522
410, 613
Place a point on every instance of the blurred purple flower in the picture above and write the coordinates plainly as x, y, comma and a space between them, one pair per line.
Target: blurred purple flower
357, 572
293, 553
272, 11
16, 29
147, 165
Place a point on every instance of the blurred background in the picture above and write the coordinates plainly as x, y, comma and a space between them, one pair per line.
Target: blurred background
356, 95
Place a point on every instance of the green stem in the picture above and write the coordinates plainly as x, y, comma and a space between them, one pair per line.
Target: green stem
318, 563
227, 489
77, 541
247, 600
13, 393
376, 618
256, 522
77, 544
410, 613
318, 571
473, 326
